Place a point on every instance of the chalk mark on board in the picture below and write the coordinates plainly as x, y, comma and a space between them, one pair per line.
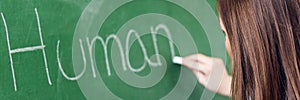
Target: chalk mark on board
59, 62
125, 58
10, 56
42, 43
90, 44
104, 44
25, 49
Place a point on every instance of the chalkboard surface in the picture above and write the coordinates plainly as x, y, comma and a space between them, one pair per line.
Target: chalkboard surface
105, 49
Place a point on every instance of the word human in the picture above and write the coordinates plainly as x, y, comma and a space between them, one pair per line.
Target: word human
124, 53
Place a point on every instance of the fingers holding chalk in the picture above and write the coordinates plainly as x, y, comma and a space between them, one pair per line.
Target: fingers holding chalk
178, 60
189, 63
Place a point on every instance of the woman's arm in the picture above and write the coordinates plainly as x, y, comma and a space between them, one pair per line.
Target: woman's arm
210, 72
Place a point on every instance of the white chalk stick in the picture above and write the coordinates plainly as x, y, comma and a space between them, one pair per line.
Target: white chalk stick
177, 60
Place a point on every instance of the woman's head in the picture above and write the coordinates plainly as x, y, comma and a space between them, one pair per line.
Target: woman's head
264, 38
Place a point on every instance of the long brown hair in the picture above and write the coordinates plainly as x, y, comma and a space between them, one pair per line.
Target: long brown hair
264, 36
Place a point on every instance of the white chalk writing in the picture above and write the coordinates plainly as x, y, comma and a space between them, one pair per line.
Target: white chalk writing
124, 52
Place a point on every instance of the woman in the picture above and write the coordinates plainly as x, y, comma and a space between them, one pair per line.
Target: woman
263, 41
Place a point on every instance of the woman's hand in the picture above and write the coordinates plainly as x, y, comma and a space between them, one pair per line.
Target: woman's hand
210, 72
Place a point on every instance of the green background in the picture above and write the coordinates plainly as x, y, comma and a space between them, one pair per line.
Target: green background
58, 21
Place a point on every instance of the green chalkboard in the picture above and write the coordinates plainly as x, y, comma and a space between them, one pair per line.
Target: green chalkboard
105, 49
